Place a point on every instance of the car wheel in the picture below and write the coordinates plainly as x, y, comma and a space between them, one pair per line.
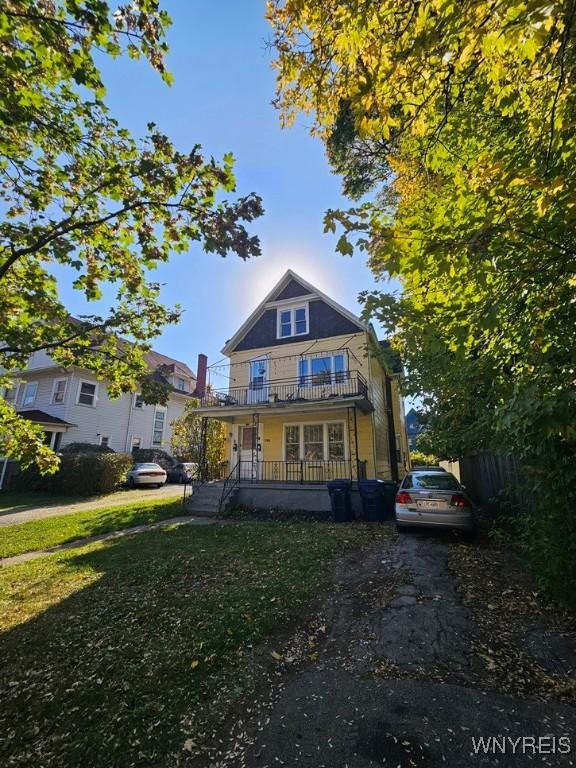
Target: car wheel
131, 483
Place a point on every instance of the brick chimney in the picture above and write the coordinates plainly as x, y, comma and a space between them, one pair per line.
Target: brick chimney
201, 375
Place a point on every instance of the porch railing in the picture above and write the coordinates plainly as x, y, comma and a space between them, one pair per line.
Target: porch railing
303, 389
301, 472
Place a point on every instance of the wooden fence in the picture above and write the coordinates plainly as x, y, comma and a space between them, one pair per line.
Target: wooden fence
488, 477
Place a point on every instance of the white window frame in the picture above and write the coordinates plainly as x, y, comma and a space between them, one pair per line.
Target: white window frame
33, 400
15, 389
93, 384
135, 437
161, 443
135, 405
325, 445
292, 309
54, 389
181, 380
318, 355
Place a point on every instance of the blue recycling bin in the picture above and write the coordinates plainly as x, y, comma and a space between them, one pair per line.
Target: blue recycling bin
340, 500
378, 498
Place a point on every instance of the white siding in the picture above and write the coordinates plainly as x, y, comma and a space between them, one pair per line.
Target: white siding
40, 360
43, 400
116, 419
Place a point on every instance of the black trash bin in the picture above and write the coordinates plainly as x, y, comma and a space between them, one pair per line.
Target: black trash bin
378, 499
340, 500
389, 491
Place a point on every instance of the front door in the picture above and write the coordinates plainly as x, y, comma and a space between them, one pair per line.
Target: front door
249, 454
258, 385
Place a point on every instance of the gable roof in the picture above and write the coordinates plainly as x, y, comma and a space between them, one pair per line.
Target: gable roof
156, 359
290, 287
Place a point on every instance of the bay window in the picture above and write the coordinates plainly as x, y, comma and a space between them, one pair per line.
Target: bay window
158, 431
59, 391
87, 392
30, 393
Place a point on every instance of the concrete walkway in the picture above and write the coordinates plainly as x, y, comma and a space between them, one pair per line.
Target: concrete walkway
13, 516
187, 520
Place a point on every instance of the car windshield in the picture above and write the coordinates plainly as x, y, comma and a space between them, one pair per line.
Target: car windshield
147, 466
437, 481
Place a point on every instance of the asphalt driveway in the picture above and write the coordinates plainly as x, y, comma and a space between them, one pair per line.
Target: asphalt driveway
110, 500
427, 648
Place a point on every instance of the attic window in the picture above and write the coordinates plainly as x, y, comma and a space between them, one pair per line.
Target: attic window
292, 322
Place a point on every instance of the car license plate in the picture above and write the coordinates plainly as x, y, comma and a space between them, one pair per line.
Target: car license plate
430, 504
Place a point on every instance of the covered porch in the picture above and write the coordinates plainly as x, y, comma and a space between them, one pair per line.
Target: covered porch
297, 445
52, 426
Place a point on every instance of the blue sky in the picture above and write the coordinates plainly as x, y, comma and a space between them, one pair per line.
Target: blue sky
221, 98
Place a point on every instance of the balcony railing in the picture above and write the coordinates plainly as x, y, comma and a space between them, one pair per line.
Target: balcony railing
301, 390
299, 471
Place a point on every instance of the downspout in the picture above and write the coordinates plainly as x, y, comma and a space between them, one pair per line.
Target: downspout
130, 409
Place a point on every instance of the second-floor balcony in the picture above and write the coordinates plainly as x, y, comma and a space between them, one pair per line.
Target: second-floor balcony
345, 386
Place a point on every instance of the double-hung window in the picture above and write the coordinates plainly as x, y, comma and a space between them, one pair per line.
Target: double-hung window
323, 369
314, 442
87, 393
30, 392
158, 432
138, 402
292, 322
59, 391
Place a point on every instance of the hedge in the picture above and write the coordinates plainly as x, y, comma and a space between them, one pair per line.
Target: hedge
82, 474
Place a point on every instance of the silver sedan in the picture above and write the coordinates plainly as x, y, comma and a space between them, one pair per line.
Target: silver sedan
435, 498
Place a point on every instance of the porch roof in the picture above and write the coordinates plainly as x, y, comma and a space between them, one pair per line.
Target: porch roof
229, 413
45, 419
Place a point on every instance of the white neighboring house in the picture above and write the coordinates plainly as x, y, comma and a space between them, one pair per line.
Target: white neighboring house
71, 405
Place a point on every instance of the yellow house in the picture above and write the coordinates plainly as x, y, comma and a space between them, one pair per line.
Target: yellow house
310, 398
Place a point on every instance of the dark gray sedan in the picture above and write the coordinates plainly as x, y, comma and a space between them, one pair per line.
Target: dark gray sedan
433, 497
184, 472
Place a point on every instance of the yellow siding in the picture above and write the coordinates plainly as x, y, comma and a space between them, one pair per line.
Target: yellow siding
272, 431
380, 418
372, 429
284, 359
400, 427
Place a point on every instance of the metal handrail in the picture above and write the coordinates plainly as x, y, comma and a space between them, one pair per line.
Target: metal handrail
230, 483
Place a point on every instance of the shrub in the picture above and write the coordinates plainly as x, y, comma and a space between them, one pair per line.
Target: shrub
87, 474
421, 459
86, 448
82, 474
155, 455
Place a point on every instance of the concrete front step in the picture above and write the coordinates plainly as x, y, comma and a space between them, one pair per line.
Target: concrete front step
205, 500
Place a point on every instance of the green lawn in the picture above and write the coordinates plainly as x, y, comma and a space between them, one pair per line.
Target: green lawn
49, 531
109, 652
